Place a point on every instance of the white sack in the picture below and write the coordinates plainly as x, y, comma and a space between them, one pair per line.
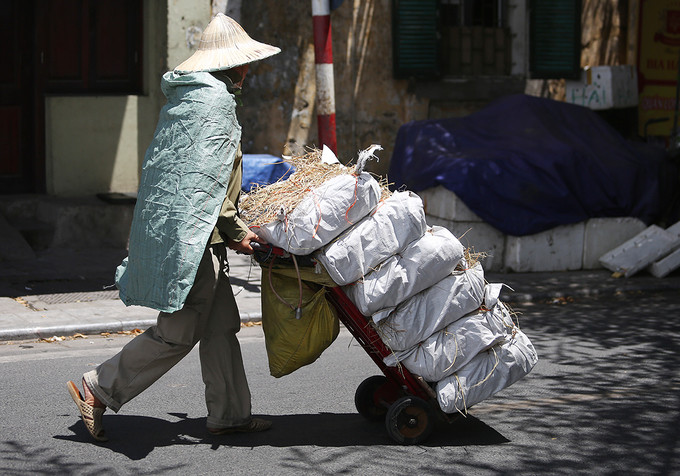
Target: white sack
487, 374
448, 350
396, 222
323, 214
429, 311
421, 264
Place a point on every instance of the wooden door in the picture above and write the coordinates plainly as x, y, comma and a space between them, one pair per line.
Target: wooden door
18, 161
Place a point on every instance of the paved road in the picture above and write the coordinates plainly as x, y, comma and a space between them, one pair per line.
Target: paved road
604, 399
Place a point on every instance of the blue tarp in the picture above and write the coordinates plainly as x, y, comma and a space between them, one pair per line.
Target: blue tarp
263, 169
525, 164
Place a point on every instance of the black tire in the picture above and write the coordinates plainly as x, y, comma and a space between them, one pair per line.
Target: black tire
410, 420
364, 401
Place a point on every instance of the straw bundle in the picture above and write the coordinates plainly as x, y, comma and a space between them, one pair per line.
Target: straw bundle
266, 203
471, 258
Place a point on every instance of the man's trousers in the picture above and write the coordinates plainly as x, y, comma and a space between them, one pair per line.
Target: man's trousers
209, 316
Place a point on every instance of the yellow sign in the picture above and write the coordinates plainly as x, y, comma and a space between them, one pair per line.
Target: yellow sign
658, 54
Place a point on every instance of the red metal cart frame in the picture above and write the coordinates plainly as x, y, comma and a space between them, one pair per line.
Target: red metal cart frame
406, 403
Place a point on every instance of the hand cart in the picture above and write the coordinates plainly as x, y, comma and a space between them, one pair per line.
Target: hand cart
406, 403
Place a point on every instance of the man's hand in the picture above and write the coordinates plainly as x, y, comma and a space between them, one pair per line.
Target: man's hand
243, 246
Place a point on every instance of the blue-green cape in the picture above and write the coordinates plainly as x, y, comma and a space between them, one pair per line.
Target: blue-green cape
184, 181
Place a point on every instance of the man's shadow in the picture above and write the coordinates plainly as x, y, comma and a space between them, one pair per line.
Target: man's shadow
137, 436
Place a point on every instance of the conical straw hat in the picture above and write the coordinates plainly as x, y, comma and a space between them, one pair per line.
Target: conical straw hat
225, 45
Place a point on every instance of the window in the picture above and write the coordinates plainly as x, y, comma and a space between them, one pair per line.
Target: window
415, 39
555, 39
475, 38
92, 46
434, 38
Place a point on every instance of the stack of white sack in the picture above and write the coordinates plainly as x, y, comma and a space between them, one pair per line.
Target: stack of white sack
421, 264
398, 221
449, 348
487, 373
420, 316
471, 358
323, 214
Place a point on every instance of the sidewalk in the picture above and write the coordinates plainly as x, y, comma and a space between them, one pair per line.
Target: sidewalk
66, 292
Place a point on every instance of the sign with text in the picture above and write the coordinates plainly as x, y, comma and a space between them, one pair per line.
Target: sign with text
658, 51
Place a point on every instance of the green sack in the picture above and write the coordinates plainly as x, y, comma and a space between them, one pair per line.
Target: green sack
293, 343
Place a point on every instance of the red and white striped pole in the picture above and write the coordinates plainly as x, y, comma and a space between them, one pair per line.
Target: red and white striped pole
325, 88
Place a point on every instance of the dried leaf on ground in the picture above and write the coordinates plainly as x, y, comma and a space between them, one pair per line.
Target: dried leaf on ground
53, 339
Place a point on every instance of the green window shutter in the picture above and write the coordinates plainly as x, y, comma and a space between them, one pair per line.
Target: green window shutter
415, 39
555, 39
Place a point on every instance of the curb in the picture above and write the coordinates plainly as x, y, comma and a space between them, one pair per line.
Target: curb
584, 290
29, 333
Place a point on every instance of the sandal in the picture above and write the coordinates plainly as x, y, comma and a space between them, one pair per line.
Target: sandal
92, 416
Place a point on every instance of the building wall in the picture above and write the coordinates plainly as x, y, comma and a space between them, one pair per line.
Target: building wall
97, 143
604, 28
89, 150
278, 94
370, 104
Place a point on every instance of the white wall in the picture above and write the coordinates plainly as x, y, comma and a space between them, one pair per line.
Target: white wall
92, 144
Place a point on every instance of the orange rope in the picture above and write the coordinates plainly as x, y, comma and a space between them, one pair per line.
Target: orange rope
356, 185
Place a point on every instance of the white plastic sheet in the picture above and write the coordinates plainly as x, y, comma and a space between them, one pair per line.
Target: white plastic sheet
487, 374
448, 350
324, 213
421, 264
396, 222
431, 310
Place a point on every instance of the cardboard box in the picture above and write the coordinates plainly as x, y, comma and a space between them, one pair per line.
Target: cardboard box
604, 87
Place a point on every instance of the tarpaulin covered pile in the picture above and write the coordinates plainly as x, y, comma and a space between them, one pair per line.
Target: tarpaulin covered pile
525, 164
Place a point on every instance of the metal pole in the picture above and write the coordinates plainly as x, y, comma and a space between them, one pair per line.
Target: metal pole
325, 88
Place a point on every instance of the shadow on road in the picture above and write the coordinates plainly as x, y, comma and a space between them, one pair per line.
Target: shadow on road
137, 436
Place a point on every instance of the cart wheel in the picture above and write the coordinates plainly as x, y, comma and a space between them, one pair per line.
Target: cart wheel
364, 398
410, 420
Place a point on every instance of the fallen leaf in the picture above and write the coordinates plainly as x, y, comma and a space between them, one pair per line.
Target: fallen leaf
52, 339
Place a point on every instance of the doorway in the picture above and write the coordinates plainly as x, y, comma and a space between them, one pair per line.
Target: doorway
61, 47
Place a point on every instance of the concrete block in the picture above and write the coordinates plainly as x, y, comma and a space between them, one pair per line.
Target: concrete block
558, 249
674, 229
671, 262
479, 236
605, 234
665, 265
640, 251
442, 203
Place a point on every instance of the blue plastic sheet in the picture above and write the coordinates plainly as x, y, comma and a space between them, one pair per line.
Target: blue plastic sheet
525, 165
263, 169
